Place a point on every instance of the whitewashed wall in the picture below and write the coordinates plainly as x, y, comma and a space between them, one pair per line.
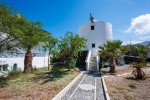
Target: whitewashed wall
101, 33
148, 56
37, 62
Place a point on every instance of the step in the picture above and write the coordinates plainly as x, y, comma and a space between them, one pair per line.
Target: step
92, 64
93, 61
92, 68
92, 58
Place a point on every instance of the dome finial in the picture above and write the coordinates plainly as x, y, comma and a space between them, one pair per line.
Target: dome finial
91, 18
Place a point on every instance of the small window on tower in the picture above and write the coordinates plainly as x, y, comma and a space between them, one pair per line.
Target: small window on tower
92, 27
93, 45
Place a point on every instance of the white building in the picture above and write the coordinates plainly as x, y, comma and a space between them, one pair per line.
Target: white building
96, 33
8, 60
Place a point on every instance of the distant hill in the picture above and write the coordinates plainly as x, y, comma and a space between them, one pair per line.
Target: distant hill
144, 43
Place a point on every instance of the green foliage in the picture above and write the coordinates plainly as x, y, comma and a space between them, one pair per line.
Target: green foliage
138, 65
70, 45
72, 64
3, 82
132, 85
138, 73
7, 27
137, 50
143, 51
110, 49
125, 49
30, 35
49, 43
15, 71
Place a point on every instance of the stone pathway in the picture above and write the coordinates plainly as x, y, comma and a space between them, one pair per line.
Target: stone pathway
87, 87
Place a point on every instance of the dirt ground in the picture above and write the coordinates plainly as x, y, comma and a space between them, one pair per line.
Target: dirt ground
124, 87
43, 85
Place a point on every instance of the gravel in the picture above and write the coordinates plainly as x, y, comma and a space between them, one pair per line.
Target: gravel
84, 89
71, 90
99, 89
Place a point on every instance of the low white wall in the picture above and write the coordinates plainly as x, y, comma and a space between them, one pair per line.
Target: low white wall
37, 62
148, 56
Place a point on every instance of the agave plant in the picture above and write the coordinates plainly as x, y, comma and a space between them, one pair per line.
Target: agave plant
138, 72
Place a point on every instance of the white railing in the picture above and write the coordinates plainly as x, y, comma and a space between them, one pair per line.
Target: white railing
97, 60
88, 60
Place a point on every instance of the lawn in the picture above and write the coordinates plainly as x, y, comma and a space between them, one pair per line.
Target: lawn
41, 85
124, 87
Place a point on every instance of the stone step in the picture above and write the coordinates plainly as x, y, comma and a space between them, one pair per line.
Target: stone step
92, 65
92, 58
93, 62
92, 68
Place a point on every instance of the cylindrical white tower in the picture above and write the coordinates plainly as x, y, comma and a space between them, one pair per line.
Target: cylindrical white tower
96, 33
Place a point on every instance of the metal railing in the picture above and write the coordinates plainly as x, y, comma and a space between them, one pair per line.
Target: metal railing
88, 60
97, 61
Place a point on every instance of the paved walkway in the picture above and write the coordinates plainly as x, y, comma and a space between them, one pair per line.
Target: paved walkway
87, 87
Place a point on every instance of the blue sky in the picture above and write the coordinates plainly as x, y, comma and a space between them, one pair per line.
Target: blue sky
130, 18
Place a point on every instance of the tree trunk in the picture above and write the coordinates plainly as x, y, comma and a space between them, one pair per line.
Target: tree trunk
49, 62
28, 62
139, 73
112, 65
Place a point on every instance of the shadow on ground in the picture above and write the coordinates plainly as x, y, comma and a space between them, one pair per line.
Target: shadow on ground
3, 82
94, 73
55, 73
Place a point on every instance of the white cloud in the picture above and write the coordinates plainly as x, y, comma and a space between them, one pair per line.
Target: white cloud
140, 25
145, 38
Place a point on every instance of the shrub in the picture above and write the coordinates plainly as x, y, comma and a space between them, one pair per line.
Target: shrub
132, 85
72, 64
15, 70
3, 82
138, 73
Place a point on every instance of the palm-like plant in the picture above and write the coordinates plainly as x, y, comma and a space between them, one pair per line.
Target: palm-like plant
138, 73
111, 49
142, 52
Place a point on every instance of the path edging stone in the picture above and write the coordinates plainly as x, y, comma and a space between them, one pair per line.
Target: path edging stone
62, 92
105, 89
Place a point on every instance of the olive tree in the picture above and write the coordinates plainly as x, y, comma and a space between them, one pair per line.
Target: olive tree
8, 19
69, 47
49, 46
29, 35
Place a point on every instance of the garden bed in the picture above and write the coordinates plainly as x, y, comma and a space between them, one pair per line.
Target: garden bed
125, 87
41, 85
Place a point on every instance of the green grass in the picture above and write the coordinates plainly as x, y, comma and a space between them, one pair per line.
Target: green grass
3, 82
54, 78
132, 85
